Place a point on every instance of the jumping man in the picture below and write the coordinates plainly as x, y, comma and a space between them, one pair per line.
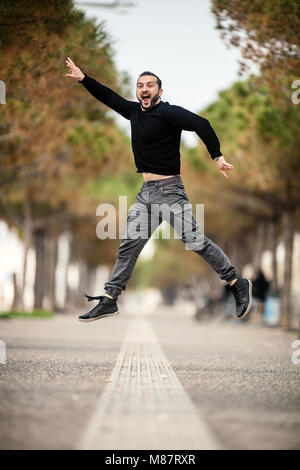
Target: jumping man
156, 131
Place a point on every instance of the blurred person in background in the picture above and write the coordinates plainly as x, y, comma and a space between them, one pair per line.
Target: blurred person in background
260, 288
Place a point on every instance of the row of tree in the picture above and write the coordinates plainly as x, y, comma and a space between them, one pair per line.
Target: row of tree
55, 139
268, 34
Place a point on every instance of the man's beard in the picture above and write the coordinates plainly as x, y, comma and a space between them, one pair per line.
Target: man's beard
152, 102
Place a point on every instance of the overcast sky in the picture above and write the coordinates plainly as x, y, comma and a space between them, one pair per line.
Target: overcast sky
176, 40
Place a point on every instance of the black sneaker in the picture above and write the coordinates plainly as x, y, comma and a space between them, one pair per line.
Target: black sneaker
242, 292
106, 307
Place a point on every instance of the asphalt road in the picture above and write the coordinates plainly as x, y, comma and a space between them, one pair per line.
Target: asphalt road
239, 376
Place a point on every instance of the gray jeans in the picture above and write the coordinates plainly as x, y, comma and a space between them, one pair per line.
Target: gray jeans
160, 200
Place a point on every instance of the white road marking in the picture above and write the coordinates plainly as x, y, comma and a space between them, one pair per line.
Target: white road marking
144, 406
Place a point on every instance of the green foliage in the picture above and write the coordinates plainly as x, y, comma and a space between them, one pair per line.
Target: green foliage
91, 138
195, 160
33, 314
271, 126
247, 108
33, 17
108, 189
270, 20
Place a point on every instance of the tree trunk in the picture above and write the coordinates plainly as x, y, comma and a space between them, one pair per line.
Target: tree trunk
74, 296
68, 242
50, 266
273, 248
288, 236
92, 279
83, 280
258, 245
27, 240
40, 268
240, 251
17, 294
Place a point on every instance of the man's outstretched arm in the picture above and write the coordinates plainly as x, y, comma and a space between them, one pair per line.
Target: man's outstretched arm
188, 121
101, 92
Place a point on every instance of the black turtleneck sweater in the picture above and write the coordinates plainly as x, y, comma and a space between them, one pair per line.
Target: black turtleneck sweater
155, 134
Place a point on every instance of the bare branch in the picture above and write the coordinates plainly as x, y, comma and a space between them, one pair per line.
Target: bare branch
116, 4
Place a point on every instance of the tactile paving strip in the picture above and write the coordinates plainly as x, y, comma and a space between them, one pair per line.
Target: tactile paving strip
144, 406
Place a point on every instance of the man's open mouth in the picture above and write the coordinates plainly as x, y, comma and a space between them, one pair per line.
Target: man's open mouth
146, 97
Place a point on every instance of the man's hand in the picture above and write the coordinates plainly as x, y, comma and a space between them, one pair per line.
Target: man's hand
75, 71
223, 166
